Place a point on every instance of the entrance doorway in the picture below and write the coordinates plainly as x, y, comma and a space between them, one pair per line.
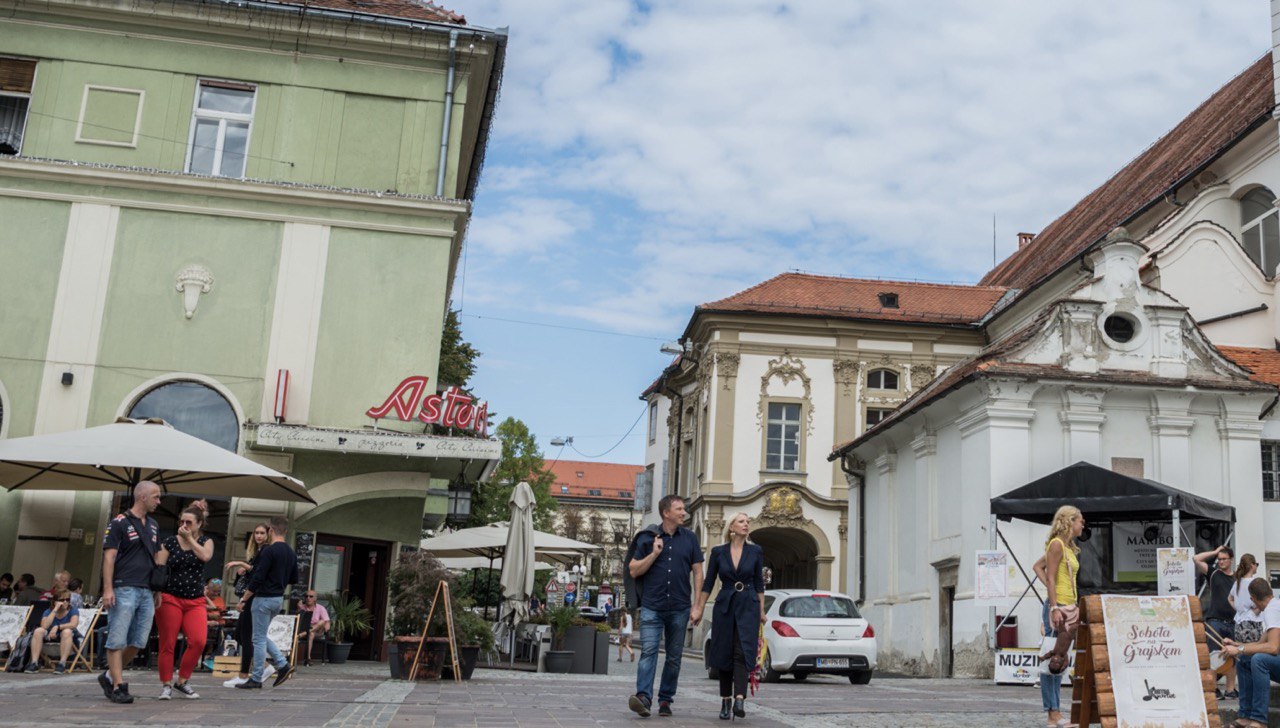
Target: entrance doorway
947, 576
358, 567
791, 555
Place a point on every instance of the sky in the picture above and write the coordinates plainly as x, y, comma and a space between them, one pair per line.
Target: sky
646, 157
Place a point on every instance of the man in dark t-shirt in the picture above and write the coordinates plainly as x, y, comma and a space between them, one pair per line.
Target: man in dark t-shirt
1219, 615
273, 572
132, 537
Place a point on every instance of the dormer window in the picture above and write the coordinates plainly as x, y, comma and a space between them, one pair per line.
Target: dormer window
1260, 229
888, 300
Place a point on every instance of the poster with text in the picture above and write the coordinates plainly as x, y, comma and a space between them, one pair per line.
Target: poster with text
991, 572
1151, 647
1134, 545
1175, 573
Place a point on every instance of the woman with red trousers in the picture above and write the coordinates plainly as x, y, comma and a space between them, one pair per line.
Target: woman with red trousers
182, 603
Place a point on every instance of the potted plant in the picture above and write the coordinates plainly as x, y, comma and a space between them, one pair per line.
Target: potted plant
560, 618
473, 634
347, 616
411, 585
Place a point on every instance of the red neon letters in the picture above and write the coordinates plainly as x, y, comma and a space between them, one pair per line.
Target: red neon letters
450, 408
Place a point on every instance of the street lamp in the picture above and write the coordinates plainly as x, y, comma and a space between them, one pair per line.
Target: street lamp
561, 441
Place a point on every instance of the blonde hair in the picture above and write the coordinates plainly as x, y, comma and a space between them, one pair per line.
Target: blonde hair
1062, 526
728, 535
251, 549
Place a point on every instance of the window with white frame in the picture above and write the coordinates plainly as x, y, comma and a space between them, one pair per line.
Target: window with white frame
1271, 470
875, 415
16, 78
882, 379
782, 437
220, 128
1260, 228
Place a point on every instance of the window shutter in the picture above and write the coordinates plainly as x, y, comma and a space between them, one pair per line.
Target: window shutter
16, 75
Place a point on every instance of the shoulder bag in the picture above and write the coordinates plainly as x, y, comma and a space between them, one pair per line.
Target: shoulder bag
158, 579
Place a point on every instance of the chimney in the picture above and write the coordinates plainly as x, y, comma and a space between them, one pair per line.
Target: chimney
1025, 238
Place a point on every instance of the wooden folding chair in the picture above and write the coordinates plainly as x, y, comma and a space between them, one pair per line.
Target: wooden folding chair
88, 620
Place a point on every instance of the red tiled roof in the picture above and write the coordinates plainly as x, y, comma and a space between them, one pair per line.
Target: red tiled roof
611, 479
804, 294
407, 9
1263, 364
1235, 109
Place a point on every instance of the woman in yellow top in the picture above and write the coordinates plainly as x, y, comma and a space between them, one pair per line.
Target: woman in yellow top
1058, 569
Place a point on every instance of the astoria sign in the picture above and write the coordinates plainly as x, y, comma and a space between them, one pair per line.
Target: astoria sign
451, 408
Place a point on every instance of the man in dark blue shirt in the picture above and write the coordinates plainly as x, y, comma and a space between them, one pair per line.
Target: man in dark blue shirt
662, 566
275, 569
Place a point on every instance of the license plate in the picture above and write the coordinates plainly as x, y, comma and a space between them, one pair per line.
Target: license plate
833, 662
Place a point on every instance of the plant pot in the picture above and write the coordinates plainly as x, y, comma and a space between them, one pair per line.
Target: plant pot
602, 653
338, 652
402, 659
393, 661
468, 655
581, 641
559, 660
434, 653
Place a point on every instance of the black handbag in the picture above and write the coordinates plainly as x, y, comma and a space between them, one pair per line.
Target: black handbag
158, 579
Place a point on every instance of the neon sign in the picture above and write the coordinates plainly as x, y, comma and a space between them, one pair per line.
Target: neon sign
451, 408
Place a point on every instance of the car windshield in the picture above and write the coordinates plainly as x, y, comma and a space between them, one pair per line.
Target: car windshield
820, 606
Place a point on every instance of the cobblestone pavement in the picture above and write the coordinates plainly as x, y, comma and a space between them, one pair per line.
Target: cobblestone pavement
359, 694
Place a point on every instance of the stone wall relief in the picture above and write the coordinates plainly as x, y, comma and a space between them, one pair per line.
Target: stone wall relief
727, 363
192, 282
787, 369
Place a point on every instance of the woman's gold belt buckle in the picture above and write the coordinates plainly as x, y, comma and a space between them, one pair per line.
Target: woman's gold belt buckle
739, 586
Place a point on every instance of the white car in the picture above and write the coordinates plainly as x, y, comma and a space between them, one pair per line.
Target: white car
810, 631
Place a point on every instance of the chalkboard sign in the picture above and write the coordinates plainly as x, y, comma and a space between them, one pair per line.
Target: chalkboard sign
283, 631
12, 620
304, 546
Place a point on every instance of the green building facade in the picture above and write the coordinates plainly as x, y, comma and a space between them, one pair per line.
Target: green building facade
245, 218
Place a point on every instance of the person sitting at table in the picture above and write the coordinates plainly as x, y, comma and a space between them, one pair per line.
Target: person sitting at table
76, 588
215, 607
57, 625
1257, 663
319, 620
61, 580
25, 591
6, 587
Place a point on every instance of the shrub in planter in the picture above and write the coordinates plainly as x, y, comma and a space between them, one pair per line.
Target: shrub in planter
474, 636
347, 616
560, 619
411, 585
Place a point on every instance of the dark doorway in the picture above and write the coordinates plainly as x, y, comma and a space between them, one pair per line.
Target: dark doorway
947, 576
359, 567
792, 557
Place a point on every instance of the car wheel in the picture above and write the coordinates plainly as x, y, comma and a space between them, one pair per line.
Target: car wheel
862, 677
770, 675
801, 676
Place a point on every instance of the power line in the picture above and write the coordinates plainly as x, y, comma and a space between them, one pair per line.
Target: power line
616, 444
567, 328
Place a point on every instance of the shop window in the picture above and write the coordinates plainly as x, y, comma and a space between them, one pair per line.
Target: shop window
220, 128
1260, 228
782, 437
875, 415
1271, 470
16, 79
882, 379
193, 408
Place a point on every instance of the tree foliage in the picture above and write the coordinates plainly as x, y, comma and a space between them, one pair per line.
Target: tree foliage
457, 357
521, 460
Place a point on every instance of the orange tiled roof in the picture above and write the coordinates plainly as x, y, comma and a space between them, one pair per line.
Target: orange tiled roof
1234, 110
407, 9
804, 294
1263, 364
611, 479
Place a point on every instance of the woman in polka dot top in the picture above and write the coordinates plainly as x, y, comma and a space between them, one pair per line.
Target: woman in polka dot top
182, 605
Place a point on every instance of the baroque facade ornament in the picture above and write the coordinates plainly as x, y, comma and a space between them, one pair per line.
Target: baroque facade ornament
922, 374
787, 368
784, 507
727, 363
192, 282
846, 373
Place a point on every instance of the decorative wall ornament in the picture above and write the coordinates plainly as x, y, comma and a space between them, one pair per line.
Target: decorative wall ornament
784, 507
788, 369
193, 281
843, 530
846, 373
715, 529
922, 374
728, 364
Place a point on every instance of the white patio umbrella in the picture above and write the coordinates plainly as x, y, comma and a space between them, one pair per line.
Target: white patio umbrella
517, 570
118, 456
490, 542
480, 562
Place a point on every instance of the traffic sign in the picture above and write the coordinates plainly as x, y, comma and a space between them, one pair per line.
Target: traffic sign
551, 587
570, 587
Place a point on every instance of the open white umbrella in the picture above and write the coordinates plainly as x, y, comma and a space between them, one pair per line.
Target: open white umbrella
118, 456
480, 562
517, 568
491, 542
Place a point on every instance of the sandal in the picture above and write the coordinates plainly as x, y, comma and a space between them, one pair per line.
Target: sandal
1232, 694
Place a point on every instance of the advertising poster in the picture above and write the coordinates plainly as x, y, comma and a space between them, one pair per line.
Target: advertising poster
1021, 666
1154, 669
991, 572
1134, 545
1175, 573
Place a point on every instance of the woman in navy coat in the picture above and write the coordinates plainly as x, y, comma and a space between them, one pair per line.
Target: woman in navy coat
739, 611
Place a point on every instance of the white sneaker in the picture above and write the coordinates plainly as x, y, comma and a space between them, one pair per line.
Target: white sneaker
186, 691
268, 672
234, 682
165, 693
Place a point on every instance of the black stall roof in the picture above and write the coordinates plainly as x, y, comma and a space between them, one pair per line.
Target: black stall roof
1104, 496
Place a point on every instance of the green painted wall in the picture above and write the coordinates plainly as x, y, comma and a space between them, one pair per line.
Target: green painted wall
405, 275
144, 331
383, 519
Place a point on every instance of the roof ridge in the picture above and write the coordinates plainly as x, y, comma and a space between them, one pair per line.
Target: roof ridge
907, 281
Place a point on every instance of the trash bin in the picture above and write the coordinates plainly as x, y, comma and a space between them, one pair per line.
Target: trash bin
1007, 634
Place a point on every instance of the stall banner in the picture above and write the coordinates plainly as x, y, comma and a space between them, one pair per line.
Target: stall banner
1021, 666
1134, 545
1155, 673
1175, 573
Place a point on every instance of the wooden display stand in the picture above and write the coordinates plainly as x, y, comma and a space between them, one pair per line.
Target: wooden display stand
1092, 698
441, 591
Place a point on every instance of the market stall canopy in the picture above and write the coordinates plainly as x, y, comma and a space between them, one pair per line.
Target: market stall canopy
1104, 496
118, 456
491, 541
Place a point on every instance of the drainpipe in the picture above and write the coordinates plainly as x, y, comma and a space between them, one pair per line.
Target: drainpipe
861, 538
448, 112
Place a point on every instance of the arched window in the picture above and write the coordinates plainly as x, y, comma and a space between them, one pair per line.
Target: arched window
1260, 228
193, 408
882, 379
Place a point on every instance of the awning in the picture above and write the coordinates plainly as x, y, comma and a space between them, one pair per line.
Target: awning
1104, 496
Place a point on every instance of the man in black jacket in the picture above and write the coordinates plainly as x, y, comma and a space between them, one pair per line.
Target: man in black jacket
275, 570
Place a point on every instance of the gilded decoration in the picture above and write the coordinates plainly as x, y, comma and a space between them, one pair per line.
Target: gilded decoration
788, 369
783, 508
728, 365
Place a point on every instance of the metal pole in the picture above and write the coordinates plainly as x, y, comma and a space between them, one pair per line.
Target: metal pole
1177, 528
991, 638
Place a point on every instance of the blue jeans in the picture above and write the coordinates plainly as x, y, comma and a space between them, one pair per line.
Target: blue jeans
652, 625
1050, 684
1254, 674
265, 609
129, 621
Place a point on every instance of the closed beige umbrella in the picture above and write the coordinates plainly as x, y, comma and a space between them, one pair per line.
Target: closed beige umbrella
517, 564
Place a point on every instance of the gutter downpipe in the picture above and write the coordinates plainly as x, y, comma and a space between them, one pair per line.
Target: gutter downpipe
448, 112
861, 539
